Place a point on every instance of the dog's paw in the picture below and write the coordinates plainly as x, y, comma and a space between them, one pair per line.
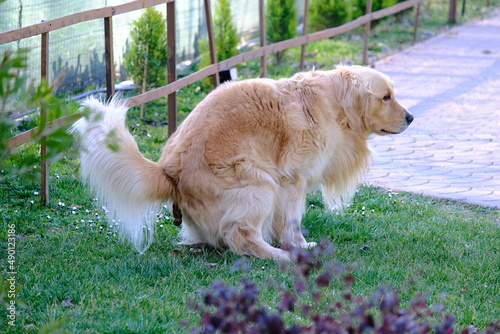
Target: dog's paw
310, 245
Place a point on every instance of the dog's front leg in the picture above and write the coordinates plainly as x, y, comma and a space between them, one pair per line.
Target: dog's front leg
288, 216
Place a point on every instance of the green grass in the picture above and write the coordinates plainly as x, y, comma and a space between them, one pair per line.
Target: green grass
413, 243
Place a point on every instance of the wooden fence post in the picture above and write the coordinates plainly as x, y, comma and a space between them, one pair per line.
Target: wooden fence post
304, 32
452, 14
172, 71
109, 57
211, 40
415, 26
263, 41
367, 32
44, 165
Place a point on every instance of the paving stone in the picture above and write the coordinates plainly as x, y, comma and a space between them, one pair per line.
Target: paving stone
452, 149
455, 189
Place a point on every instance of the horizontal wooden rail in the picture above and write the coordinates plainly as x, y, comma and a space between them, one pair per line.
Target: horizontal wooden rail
69, 20
49, 128
267, 50
205, 72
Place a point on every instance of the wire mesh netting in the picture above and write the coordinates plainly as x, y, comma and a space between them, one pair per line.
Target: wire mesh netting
77, 51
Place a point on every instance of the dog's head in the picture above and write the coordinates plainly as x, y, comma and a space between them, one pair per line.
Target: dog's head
369, 102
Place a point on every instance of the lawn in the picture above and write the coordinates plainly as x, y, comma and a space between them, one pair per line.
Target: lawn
71, 265
74, 274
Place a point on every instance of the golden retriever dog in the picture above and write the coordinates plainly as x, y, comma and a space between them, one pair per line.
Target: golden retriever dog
238, 168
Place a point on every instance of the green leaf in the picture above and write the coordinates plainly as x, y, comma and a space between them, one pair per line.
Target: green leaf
112, 141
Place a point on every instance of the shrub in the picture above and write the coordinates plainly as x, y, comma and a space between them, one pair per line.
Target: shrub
281, 23
360, 8
325, 14
228, 309
147, 59
226, 36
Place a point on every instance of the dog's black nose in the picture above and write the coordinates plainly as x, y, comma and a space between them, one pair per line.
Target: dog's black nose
409, 118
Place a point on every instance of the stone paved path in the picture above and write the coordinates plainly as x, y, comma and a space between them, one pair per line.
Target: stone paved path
451, 83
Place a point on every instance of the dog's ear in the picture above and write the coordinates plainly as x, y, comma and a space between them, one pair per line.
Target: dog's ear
355, 99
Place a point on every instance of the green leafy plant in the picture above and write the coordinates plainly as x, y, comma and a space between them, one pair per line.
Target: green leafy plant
281, 23
18, 96
147, 59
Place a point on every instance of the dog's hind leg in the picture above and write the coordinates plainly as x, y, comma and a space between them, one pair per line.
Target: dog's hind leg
252, 243
190, 233
244, 224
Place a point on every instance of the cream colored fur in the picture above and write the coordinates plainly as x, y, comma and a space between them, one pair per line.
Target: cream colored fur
241, 163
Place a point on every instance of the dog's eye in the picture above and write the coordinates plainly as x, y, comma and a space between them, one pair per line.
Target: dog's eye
387, 97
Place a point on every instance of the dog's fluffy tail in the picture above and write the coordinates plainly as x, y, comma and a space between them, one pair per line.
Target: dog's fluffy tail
131, 187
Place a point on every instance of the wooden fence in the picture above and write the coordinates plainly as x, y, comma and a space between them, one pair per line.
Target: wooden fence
43, 30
